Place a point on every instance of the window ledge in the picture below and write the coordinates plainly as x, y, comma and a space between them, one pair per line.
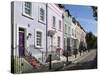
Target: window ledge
43, 22
38, 47
60, 30
54, 27
65, 33
28, 16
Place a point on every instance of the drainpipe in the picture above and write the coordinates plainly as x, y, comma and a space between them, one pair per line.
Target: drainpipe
46, 29
63, 31
12, 38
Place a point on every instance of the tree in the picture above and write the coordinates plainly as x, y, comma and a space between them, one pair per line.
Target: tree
94, 8
91, 40
81, 47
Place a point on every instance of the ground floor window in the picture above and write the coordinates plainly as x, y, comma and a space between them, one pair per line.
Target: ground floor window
58, 41
39, 38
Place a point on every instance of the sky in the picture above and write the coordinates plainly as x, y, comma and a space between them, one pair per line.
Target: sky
83, 14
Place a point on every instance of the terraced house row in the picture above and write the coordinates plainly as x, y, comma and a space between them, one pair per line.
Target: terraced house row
74, 34
43, 29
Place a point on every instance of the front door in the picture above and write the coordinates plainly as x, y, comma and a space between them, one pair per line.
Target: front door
21, 42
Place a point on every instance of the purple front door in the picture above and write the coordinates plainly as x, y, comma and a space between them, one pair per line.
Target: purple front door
21, 43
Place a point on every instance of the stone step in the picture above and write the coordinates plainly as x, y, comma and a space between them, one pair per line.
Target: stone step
34, 62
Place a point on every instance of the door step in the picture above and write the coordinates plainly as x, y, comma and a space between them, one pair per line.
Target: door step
34, 62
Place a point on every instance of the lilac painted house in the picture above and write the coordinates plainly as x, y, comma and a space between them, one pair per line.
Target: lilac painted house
29, 29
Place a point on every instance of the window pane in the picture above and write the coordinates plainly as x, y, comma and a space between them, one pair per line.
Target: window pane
39, 38
41, 14
58, 41
28, 8
69, 30
54, 21
28, 4
59, 24
65, 28
27, 11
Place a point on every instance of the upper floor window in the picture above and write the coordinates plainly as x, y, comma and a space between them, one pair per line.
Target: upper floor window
72, 32
69, 30
75, 33
42, 13
54, 21
60, 25
65, 29
28, 8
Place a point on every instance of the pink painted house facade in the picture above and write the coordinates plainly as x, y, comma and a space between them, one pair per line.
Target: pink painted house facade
55, 28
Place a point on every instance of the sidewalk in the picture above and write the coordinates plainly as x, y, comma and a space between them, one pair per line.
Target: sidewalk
71, 58
74, 60
60, 65
79, 58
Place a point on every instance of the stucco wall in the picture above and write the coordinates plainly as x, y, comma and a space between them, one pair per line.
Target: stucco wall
30, 25
53, 10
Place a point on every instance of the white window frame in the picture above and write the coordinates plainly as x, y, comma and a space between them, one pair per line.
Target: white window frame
38, 30
43, 15
25, 14
41, 7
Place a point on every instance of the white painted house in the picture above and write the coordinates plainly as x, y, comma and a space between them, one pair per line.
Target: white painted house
73, 34
55, 28
28, 29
